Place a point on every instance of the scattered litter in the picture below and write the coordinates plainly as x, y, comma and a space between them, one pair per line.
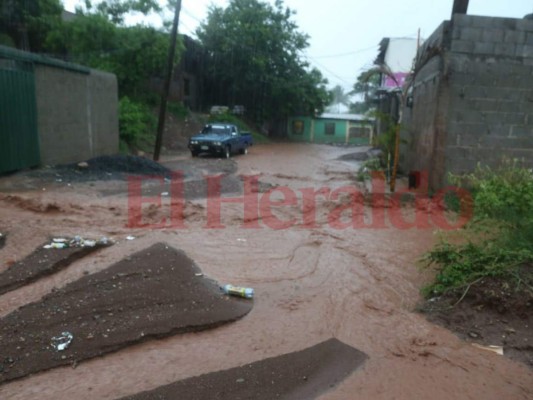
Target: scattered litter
55, 245
130, 237
241, 240
76, 241
238, 291
164, 194
494, 349
198, 274
83, 164
60, 343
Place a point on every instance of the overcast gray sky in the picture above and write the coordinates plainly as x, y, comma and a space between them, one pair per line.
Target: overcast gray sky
345, 33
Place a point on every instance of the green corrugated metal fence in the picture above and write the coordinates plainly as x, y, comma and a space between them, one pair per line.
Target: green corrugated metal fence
19, 140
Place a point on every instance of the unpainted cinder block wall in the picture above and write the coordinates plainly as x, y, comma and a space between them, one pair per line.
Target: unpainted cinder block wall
77, 114
473, 97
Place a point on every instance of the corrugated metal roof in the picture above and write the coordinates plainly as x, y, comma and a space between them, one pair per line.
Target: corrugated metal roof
348, 117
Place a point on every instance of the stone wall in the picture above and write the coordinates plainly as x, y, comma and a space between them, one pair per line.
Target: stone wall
472, 97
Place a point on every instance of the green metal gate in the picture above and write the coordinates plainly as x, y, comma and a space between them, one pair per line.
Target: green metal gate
19, 139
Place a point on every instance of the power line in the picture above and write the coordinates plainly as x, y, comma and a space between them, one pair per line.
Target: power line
312, 60
184, 10
348, 53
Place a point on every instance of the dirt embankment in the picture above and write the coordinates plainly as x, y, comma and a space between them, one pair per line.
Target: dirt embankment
491, 312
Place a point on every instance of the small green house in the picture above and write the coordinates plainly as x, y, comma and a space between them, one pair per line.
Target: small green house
354, 129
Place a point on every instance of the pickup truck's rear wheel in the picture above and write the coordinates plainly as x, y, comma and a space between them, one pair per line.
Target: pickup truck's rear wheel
227, 152
244, 150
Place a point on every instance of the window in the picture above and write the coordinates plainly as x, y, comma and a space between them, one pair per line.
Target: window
358, 132
329, 128
297, 127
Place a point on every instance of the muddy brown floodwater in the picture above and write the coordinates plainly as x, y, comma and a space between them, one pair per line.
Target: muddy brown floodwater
311, 283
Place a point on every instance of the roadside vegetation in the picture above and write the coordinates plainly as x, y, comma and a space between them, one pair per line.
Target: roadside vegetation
497, 242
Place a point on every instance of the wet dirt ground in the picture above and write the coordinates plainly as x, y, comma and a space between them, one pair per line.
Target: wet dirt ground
312, 282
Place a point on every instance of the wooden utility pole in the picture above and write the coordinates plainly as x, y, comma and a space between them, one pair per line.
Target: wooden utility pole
459, 7
166, 85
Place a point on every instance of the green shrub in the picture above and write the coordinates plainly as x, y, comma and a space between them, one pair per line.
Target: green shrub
178, 110
500, 236
366, 168
136, 122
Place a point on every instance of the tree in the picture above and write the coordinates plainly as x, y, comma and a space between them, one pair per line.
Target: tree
27, 23
339, 97
365, 87
133, 53
253, 51
115, 10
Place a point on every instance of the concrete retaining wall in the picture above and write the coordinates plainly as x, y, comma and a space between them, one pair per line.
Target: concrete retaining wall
77, 114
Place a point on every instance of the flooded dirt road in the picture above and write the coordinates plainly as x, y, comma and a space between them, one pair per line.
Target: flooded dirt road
312, 280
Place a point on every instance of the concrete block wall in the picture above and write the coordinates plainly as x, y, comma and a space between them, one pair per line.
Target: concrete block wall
482, 109
490, 111
77, 114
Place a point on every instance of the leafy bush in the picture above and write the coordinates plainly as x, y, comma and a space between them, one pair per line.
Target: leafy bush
178, 110
364, 172
136, 122
500, 236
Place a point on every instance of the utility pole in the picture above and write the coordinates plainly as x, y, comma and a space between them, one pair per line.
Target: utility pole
166, 85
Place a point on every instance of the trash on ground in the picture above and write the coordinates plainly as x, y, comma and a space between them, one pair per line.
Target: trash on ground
83, 164
198, 274
241, 240
494, 349
130, 237
55, 245
76, 241
164, 194
238, 291
62, 342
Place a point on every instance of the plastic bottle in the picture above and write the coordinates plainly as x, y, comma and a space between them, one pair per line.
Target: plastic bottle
247, 293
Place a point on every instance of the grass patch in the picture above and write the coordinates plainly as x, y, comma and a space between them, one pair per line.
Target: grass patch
497, 242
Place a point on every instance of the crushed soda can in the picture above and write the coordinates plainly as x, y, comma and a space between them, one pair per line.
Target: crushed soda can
62, 342
247, 293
